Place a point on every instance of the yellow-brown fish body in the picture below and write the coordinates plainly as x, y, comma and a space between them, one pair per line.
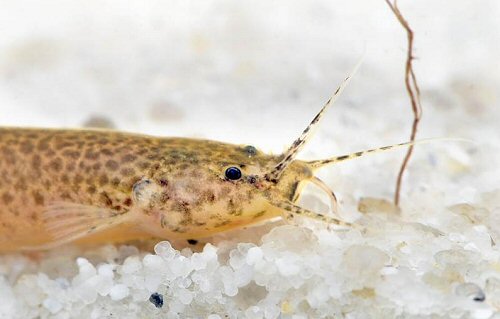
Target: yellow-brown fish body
61, 186
93, 185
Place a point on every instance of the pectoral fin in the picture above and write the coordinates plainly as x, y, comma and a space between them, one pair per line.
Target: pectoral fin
66, 222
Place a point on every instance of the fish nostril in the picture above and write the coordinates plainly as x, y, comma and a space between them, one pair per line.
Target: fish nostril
252, 179
163, 182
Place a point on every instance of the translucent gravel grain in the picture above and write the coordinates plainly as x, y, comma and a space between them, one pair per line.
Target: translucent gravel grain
118, 292
254, 255
52, 305
131, 265
165, 250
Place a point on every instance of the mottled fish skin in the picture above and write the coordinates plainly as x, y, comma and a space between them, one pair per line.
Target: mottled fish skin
61, 186
189, 195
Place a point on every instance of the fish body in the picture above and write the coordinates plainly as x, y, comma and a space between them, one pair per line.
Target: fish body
94, 185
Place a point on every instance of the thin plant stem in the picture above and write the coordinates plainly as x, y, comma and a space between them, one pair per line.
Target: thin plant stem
413, 92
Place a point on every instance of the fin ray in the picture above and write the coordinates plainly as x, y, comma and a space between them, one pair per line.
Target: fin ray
66, 222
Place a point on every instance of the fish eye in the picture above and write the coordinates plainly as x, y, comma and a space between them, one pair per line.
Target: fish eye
233, 173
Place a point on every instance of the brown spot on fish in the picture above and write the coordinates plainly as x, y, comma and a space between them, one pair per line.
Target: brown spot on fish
112, 165
103, 179
163, 182
91, 155
127, 202
106, 151
8, 155
6, 150
78, 179
34, 217
26, 147
50, 153
187, 220
32, 135
63, 145
42, 145
181, 206
128, 158
127, 171
7, 198
144, 165
103, 141
38, 197
106, 199
207, 196
115, 181
70, 166
65, 195
36, 161
65, 179
91, 189
56, 164
71, 154
20, 185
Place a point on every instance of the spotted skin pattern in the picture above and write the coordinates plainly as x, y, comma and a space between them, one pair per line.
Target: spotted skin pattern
166, 187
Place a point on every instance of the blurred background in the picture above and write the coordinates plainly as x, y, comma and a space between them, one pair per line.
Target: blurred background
256, 72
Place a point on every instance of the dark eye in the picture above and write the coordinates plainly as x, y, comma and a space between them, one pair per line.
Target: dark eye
233, 173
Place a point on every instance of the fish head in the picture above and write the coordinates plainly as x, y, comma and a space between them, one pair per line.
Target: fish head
209, 187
